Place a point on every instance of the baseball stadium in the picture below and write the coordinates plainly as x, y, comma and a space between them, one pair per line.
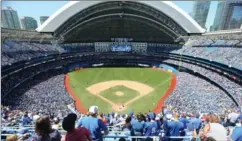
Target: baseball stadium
125, 64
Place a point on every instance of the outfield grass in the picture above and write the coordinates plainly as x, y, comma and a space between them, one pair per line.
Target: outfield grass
158, 80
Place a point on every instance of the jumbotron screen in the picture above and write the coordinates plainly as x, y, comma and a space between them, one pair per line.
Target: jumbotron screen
126, 48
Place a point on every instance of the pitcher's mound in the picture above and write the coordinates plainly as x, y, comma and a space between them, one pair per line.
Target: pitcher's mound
118, 93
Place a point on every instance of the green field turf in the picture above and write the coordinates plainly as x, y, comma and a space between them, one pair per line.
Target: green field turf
158, 80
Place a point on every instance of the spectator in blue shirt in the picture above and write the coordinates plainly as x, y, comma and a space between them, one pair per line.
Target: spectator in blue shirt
151, 126
184, 120
26, 120
175, 126
138, 125
196, 122
157, 119
93, 124
237, 132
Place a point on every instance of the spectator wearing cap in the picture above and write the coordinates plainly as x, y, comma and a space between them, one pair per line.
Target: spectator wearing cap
131, 114
44, 132
237, 131
151, 126
93, 124
73, 134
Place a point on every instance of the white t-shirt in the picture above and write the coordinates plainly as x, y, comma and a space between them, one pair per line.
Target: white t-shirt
218, 132
233, 117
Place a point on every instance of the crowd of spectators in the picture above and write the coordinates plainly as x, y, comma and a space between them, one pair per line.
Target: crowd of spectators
224, 51
220, 51
170, 122
47, 96
215, 43
196, 102
17, 77
233, 88
193, 93
13, 51
200, 95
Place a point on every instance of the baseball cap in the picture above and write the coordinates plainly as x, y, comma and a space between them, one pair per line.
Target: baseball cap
151, 115
93, 109
131, 113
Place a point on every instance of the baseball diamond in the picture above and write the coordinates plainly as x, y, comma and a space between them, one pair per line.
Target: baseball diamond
119, 89
121, 70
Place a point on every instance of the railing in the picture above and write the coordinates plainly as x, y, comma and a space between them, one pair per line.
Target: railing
114, 135
137, 138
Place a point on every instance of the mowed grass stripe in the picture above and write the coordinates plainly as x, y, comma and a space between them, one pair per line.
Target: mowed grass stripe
157, 79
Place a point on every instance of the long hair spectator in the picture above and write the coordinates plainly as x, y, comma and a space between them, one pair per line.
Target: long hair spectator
13, 137
44, 132
102, 117
214, 129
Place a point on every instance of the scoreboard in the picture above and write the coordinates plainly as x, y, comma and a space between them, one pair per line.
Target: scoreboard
124, 48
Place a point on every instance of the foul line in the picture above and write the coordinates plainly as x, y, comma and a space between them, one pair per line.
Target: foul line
77, 100
171, 88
